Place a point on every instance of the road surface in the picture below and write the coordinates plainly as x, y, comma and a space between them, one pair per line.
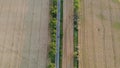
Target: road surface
99, 37
24, 33
58, 34
68, 48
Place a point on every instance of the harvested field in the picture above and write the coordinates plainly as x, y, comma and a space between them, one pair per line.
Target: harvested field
99, 34
24, 33
67, 59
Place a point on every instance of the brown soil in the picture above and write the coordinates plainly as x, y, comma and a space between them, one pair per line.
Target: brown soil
99, 40
67, 59
24, 33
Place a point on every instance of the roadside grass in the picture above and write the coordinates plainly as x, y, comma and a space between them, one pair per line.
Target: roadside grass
116, 25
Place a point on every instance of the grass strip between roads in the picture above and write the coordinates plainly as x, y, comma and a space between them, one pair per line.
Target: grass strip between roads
76, 19
52, 29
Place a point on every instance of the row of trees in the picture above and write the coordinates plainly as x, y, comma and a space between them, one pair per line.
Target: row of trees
52, 27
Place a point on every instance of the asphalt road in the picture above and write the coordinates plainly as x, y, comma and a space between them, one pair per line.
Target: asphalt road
58, 33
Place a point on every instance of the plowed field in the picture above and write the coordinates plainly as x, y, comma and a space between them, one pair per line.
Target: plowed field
99, 34
24, 33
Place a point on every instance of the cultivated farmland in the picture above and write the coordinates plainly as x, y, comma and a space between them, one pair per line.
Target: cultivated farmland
24, 33
99, 34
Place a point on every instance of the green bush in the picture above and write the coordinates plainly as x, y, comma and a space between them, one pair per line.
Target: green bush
76, 5
51, 65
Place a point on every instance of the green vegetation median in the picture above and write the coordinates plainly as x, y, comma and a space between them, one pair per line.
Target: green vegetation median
52, 27
76, 19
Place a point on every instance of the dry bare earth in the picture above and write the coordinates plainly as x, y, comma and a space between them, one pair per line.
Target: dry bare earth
99, 37
67, 59
23, 33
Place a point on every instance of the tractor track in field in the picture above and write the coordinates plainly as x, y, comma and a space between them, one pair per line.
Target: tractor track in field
102, 23
113, 43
